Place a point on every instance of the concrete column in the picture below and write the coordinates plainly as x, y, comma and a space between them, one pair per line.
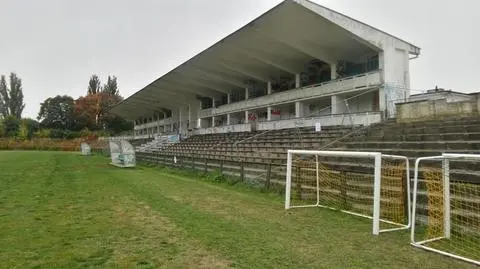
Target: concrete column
246, 94
199, 123
179, 120
228, 119
297, 80
333, 71
269, 87
269, 113
213, 121
164, 122
229, 96
189, 116
382, 104
213, 102
338, 104
246, 116
298, 109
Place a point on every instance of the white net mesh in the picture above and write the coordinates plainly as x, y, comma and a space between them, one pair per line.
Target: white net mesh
85, 149
447, 206
122, 153
346, 183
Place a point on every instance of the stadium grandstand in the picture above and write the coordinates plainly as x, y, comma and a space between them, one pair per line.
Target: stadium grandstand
310, 101
297, 65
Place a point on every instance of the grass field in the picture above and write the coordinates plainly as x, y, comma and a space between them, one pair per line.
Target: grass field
63, 210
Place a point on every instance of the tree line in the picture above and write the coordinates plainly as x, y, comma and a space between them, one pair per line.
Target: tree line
62, 116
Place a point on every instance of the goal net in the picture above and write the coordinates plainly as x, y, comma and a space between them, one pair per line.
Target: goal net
85, 149
365, 184
122, 153
446, 206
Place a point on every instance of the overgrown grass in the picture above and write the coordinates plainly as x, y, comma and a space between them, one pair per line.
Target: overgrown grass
63, 210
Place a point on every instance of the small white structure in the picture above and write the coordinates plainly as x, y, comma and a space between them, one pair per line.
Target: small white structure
122, 154
85, 149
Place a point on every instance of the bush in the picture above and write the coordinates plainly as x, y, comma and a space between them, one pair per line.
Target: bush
42, 133
40, 144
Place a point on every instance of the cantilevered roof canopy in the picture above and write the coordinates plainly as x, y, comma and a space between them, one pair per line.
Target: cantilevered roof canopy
278, 43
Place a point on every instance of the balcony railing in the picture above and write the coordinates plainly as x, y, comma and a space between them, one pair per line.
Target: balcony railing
328, 88
153, 124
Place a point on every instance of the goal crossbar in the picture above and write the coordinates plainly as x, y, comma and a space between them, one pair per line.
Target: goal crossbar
377, 157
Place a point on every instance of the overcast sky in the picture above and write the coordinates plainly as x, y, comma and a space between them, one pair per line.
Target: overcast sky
56, 45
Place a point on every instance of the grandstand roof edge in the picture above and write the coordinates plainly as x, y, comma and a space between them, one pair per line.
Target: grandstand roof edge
116, 109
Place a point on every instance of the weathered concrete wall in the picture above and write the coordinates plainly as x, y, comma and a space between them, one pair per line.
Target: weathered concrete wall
331, 120
435, 109
224, 129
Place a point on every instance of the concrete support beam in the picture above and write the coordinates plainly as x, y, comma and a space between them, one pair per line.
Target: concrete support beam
213, 101
189, 116
180, 120
338, 104
269, 113
213, 121
246, 93
199, 123
333, 71
299, 109
297, 80
246, 116
269, 87
228, 119
229, 98
382, 104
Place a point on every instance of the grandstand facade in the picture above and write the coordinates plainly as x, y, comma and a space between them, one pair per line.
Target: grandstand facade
297, 65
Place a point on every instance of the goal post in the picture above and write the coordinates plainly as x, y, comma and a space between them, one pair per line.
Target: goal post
365, 184
446, 206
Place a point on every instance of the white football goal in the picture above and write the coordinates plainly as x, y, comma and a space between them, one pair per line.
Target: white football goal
365, 184
446, 206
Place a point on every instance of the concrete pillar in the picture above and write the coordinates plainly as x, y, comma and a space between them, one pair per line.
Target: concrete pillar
228, 119
269, 113
298, 109
189, 116
213, 101
199, 123
297, 80
269, 87
213, 121
338, 104
333, 71
246, 94
179, 120
246, 116
229, 97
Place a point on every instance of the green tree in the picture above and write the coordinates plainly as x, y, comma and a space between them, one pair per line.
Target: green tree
27, 128
4, 98
11, 99
110, 87
57, 112
2, 129
94, 85
11, 126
